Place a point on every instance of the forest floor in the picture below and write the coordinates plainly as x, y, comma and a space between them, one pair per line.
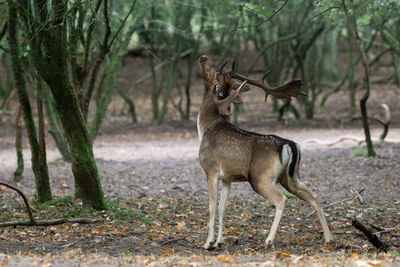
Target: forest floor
159, 211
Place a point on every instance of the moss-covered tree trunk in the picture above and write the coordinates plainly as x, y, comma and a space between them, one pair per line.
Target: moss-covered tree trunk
18, 146
53, 126
49, 52
39, 164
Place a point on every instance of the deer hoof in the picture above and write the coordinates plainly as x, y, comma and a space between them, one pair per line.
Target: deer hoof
269, 244
329, 239
208, 245
218, 244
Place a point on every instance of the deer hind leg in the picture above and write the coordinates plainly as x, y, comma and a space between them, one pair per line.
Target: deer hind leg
226, 187
212, 182
268, 189
295, 186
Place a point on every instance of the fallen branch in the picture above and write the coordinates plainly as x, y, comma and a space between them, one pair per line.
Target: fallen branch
359, 141
382, 230
371, 237
357, 196
172, 240
32, 221
384, 120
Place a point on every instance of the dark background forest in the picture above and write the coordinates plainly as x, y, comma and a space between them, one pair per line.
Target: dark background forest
98, 108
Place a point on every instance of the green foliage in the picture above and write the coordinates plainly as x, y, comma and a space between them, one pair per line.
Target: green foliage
290, 195
358, 152
68, 207
65, 207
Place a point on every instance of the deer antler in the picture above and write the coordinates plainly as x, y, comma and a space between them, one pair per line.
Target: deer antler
224, 104
223, 65
288, 90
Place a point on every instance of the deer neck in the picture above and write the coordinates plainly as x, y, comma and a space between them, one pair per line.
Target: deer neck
208, 115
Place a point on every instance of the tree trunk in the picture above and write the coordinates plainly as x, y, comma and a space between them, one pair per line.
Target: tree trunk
42, 158
396, 66
172, 76
38, 165
54, 127
187, 87
130, 103
50, 58
350, 76
18, 147
363, 101
155, 93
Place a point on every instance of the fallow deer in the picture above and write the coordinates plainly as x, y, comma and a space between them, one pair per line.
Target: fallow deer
230, 154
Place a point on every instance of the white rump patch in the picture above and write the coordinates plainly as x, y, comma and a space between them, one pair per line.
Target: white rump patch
286, 154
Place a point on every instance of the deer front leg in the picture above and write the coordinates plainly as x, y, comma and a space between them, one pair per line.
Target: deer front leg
212, 182
226, 187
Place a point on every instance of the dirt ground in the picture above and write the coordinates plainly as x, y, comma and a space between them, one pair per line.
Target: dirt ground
155, 172
150, 174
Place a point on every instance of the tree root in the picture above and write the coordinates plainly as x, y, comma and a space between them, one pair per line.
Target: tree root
32, 221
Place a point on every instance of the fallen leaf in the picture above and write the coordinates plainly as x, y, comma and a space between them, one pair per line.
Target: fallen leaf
182, 226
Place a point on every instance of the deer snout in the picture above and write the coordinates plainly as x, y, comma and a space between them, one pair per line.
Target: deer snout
203, 58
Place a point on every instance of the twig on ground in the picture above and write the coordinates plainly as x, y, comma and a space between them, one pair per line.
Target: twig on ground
358, 194
32, 221
371, 237
359, 197
172, 240
382, 229
384, 120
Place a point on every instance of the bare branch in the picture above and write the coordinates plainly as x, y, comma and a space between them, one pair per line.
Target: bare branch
122, 24
32, 221
264, 21
371, 237
341, 201
28, 208
3, 31
326, 10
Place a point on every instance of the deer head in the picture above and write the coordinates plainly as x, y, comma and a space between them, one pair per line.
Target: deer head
215, 78
225, 86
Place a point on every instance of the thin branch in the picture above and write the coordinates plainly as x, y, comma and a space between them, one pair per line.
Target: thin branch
3, 30
32, 221
173, 240
104, 49
340, 201
122, 24
326, 10
28, 208
263, 49
371, 237
262, 22
89, 35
